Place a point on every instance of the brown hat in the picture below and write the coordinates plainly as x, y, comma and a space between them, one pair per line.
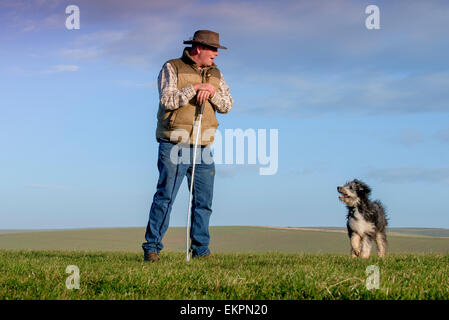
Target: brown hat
206, 37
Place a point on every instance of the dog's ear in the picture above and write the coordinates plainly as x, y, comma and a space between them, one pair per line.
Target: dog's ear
362, 188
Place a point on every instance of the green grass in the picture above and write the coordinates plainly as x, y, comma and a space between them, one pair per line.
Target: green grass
118, 275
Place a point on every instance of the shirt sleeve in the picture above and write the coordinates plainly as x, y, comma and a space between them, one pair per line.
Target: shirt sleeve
170, 96
222, 99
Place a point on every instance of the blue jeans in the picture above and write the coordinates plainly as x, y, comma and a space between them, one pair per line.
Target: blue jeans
171, 175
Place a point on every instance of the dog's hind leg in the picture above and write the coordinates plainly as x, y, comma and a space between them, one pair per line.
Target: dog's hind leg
355, 245
366, 246
381, 241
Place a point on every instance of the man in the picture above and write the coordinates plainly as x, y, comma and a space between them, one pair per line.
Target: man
184, 85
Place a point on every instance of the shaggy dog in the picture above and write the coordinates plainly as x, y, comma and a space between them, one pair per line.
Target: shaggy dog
366, 220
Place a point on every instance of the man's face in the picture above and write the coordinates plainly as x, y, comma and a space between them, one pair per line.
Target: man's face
206, 56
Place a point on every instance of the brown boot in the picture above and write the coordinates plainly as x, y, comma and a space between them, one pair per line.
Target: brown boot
151, 256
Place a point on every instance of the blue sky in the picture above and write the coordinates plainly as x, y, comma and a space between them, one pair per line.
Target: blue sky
78, 109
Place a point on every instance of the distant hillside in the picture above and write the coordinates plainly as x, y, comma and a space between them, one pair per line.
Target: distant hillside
428, 232
224, 239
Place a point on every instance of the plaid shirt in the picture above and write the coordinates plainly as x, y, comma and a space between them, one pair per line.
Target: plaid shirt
172, 98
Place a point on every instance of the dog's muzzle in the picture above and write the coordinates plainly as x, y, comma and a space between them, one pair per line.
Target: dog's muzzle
343, 195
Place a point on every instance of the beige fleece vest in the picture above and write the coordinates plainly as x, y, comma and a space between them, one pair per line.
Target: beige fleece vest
178, 125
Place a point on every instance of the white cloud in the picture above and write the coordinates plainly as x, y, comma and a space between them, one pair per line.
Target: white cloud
46, 187
61, 68
411, 175
442, 135
86, 53
307, 58
104, 37
410, 137
134, 84
356, 93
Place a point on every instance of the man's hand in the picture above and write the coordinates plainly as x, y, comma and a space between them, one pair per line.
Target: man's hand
204, 91
202, 96
205, 87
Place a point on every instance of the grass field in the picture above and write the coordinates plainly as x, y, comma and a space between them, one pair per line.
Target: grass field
115, 275
249, 263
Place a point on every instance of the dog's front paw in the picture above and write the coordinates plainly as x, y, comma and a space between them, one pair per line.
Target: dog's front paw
355, 253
